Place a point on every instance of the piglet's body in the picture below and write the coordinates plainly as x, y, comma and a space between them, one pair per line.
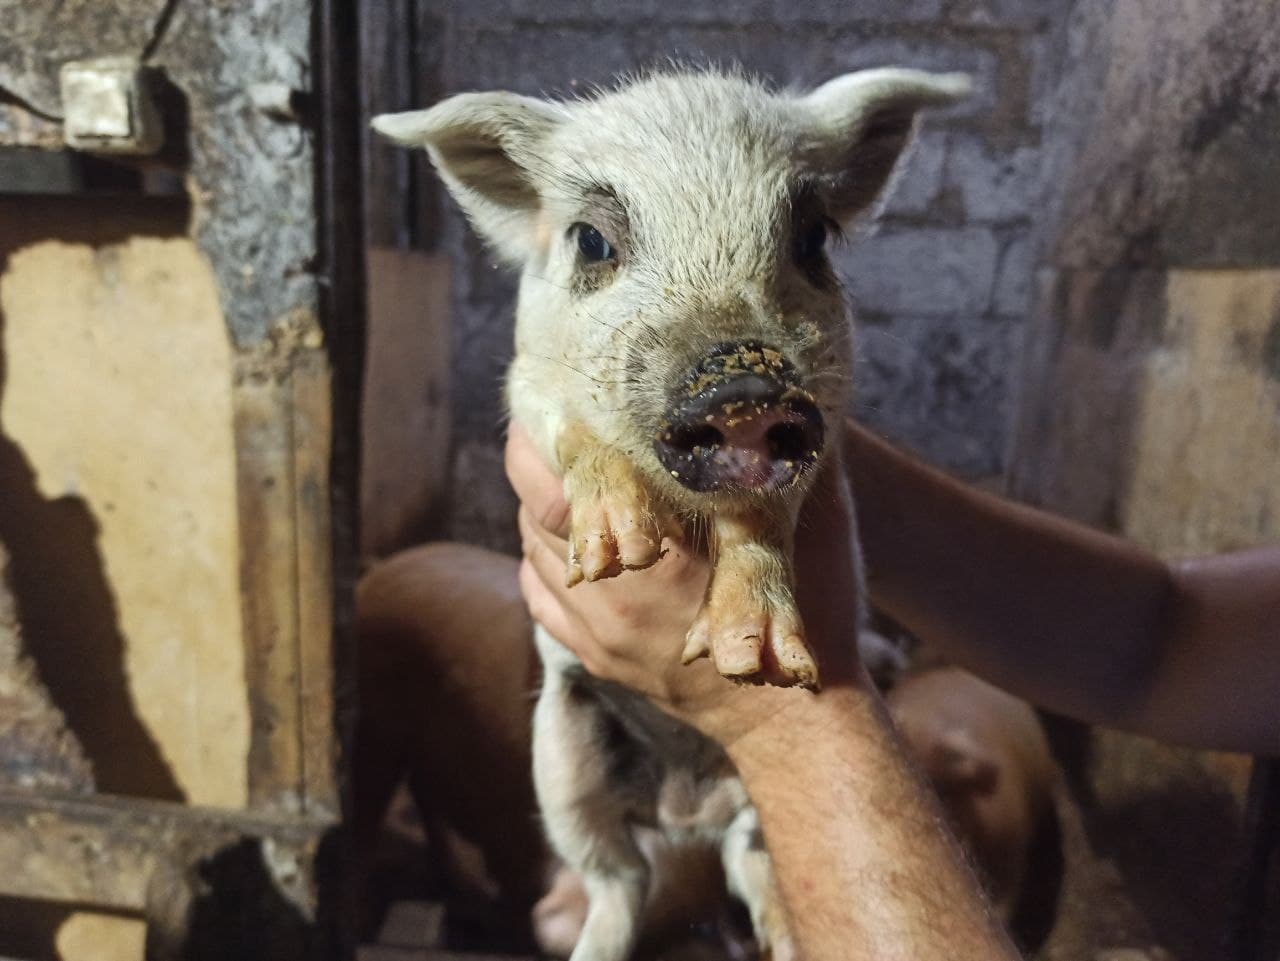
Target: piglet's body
683, 352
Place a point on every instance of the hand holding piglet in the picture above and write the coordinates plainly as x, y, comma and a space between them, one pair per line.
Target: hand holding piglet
631, 629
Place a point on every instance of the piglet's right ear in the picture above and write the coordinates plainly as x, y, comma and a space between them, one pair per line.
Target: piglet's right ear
860, 124
487, 148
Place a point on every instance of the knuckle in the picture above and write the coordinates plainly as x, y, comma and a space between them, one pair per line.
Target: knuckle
621, 607
575, 642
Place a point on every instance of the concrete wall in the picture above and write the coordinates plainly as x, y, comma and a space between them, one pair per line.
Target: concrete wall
1150, 406
942, 290
1151, 402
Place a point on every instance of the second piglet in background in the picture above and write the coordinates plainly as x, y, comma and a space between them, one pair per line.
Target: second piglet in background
986, 755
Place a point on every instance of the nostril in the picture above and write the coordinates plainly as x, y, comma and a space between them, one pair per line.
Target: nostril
789, 441
740, 430
690, 437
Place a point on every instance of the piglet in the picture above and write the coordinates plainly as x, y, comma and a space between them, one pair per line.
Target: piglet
683, 354
987, 756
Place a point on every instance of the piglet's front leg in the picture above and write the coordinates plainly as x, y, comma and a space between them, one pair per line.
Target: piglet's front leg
749, 623
616, 523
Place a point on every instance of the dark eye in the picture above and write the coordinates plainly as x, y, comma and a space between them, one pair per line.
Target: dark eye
592, 245
810, 243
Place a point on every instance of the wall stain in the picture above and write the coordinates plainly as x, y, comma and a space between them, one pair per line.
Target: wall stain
61, 592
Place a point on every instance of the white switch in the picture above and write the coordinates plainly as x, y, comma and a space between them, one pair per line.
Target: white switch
107, 107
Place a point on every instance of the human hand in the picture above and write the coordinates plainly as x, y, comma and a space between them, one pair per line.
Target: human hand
631, 629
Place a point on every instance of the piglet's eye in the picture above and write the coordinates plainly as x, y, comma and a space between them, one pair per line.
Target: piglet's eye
810, 244
592, 245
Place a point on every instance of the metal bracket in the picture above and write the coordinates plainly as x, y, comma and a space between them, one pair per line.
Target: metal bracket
108, 107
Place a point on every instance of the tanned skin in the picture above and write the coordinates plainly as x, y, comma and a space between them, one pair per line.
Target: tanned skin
1070, 619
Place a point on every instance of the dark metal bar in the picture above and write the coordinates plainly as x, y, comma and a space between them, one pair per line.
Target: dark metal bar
1247, 934
340, 211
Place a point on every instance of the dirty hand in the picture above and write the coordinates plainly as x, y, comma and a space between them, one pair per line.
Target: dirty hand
631, 628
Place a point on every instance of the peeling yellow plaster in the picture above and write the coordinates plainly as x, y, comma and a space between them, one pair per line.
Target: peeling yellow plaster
1206, 468
85, 936
117, 388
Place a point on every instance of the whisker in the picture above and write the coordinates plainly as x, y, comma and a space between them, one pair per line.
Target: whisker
582, 373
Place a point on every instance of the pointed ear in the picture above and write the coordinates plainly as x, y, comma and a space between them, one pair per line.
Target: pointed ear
860, 123
487, 148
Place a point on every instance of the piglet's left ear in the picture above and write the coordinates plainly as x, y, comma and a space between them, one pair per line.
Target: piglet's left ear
858, 125
489, 149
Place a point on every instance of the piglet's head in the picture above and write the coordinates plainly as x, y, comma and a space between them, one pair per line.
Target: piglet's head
672, 240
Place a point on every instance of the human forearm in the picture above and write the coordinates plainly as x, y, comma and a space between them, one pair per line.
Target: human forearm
1050, 610
1216, 671
1067, 617
866, 867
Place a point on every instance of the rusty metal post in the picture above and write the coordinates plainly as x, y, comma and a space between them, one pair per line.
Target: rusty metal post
1247, 934
341, 249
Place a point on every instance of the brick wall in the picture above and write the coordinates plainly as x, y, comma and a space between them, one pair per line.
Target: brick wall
942, 286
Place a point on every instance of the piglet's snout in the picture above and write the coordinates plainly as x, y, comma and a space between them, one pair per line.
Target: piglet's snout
740, 421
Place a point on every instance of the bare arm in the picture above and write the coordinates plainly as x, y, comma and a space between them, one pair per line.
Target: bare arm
1069, 618
866, 867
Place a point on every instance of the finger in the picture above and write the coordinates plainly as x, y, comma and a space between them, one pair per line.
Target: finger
546, 554
548, 609
544, 606
549, 553
531, 530
535, 483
